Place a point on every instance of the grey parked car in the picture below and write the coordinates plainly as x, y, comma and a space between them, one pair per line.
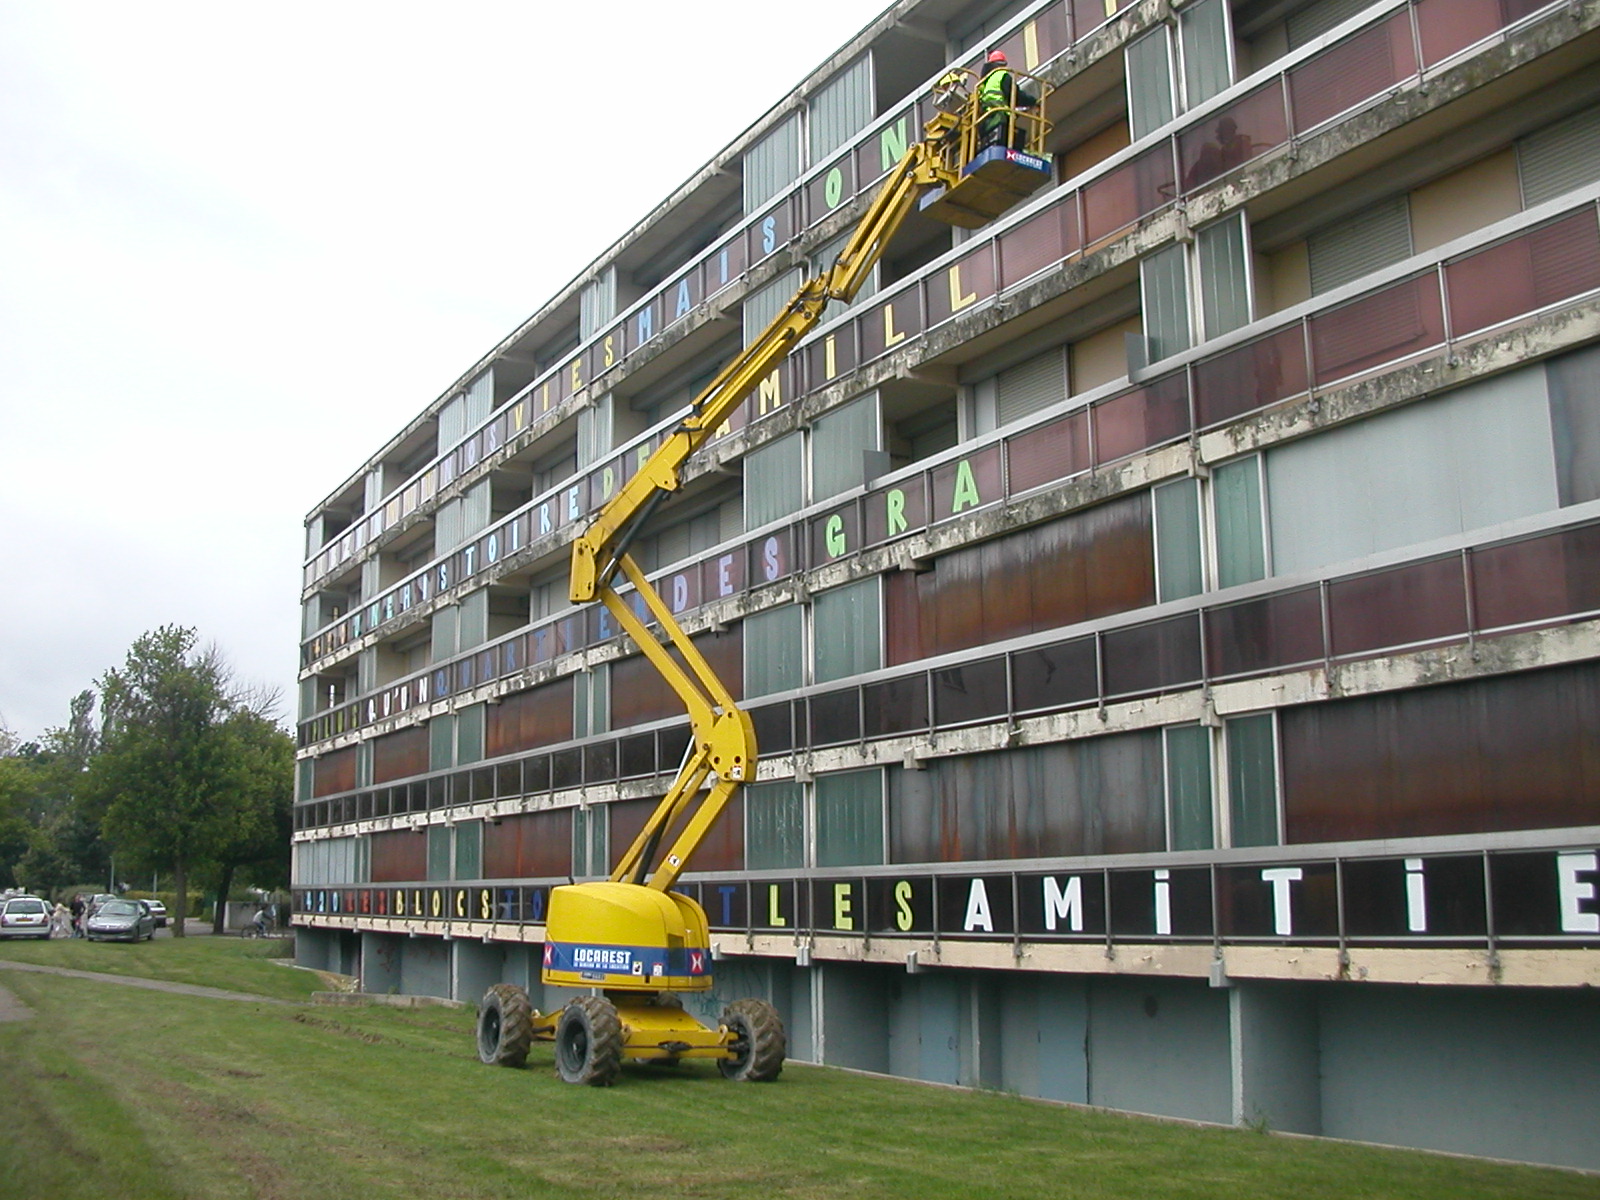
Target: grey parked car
117, 920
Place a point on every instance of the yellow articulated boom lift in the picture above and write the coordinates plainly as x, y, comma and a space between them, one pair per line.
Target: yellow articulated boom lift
631, 937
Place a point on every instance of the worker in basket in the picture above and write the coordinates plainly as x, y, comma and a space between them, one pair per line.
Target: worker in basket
999, 98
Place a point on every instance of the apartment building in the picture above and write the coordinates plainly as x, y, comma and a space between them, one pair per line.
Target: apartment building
1170, 614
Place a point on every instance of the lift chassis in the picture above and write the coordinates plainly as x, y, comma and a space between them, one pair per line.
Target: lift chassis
631, 938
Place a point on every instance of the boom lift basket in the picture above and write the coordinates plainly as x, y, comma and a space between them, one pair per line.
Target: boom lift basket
997, 155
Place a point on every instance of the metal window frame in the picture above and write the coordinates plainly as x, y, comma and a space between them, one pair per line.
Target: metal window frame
814, 822
1247, 252
1184, 15
1225, 808
1166, 779
1185, 289
1201, 533
1166, 33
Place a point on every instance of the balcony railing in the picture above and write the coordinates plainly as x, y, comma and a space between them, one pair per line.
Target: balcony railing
1461, 292
1539, 895
1478, 590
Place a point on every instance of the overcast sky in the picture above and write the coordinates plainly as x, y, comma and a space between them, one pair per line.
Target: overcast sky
241, 245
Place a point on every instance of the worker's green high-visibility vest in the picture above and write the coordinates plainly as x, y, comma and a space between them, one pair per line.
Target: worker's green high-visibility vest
992, 91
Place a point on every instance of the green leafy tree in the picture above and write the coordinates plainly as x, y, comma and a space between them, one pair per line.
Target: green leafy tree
74, 839
262, 775
174, 775
44, 869
17, 786
64, 845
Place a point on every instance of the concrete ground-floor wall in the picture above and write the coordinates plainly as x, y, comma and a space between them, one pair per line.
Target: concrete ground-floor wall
1501, 1072
335, 950
1506, 1074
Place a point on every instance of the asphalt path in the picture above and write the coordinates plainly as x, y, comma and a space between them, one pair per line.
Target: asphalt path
13, 1009
153, 985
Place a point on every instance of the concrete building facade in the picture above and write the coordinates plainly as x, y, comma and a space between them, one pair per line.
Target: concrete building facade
1170, 614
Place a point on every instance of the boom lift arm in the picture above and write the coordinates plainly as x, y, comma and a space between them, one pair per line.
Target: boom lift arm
632, 936
724, 741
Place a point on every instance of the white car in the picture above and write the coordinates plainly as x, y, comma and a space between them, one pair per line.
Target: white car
158, 910
25, 916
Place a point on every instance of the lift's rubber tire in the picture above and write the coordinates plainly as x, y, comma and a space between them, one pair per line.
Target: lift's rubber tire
759, 1040
589, 1042
505, 1026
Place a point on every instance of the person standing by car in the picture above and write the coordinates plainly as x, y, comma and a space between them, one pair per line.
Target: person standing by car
60, 921
77, 915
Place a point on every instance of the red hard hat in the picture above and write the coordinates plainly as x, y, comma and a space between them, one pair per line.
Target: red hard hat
997, 56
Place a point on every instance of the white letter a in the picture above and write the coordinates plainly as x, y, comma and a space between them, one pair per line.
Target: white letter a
978, 909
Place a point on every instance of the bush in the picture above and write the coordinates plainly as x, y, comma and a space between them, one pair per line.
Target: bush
281, 946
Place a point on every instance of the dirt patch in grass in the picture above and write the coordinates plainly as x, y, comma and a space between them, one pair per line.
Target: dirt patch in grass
12, 1009
372, 1039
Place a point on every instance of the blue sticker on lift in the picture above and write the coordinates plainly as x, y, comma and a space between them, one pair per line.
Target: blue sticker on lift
995, 154
595, 962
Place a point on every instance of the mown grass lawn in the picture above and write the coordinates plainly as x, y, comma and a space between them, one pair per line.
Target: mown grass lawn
120, 1092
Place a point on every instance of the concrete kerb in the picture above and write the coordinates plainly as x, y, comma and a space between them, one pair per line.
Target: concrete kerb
154, 985
13, 1009
383, 999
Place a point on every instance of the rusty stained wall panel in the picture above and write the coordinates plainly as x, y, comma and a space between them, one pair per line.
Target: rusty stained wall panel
537, 717
1086, 565
722, 849
625, 819
400, 755
639, 694
1537, 578
529, 846
400, 856
1516, 752
334, 772
1095, 796
1414, 602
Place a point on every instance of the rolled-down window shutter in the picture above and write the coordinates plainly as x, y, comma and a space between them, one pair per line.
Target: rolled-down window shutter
1560, 158
1315, 20
1030, 386
1370, 240
841, 109
772, 164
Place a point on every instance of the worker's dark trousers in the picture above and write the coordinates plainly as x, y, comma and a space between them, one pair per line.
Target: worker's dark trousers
992, 132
